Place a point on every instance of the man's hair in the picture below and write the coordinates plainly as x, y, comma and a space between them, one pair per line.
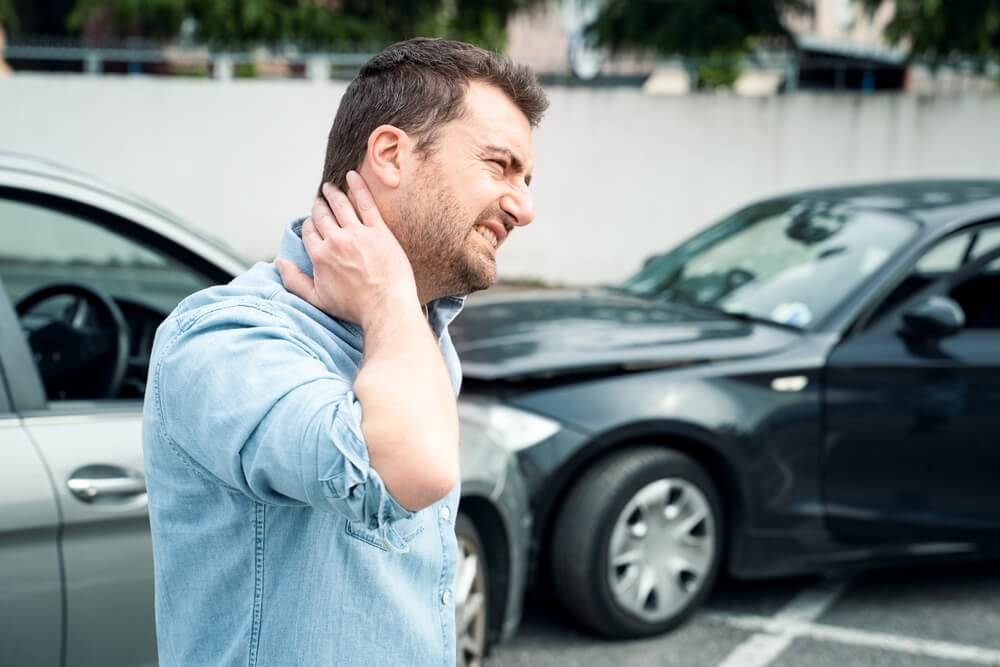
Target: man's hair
418, 86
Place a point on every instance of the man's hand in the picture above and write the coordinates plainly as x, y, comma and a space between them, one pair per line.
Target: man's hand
360, 272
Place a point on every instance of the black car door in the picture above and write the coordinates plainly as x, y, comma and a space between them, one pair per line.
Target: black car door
912, 426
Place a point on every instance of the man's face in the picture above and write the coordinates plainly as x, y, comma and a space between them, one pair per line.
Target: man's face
468, 195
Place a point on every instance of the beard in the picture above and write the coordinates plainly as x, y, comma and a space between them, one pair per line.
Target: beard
436, 234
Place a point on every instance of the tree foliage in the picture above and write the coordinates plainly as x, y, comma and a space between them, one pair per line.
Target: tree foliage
8, 16
308, 23
693, 27
941, 30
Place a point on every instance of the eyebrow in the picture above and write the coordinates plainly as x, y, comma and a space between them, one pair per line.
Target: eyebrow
515, 161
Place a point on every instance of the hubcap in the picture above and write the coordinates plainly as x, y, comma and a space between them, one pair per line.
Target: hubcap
662, 546
470, 606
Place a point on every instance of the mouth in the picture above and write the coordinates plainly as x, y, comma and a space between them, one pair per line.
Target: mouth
493, 232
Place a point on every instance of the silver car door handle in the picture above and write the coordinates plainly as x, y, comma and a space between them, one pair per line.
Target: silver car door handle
89, 489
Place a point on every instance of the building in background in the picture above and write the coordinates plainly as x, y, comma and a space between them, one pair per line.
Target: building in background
551, 40
840, 47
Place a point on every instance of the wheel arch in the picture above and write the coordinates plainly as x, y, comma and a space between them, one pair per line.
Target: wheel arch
700, 445
493, 533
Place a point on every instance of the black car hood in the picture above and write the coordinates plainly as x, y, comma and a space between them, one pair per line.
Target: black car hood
546, 333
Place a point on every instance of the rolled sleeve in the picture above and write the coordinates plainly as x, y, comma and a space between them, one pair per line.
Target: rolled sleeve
353, 487
255, 408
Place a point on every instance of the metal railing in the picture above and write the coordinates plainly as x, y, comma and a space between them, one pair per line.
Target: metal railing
136, 56
797, 72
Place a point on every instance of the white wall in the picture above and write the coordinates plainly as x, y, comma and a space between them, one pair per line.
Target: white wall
619, 175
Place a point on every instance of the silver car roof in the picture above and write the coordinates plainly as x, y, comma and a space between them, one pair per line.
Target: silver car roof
25, 172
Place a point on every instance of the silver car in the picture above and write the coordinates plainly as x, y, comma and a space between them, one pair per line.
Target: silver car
86, 275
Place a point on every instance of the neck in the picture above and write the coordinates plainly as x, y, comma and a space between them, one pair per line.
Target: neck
426, 290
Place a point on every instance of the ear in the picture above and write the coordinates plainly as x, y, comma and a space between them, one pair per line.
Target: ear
389, 149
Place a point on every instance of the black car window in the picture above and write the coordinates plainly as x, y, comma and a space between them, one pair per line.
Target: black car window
979, 294
940, 263
945, 257
985, 240
790, 261
44, 246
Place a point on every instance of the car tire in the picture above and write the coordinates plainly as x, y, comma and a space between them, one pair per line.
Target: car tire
471, 594
638, 542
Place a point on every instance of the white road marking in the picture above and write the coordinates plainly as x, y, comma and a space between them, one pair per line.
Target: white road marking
782, 629
881, 640
759, 650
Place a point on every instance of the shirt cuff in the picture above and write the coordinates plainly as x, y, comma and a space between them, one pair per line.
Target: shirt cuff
351, 486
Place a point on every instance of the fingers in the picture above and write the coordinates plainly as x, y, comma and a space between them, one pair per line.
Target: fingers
363, 200
323, 218
295, 281
313, 241
341, 206
310, 234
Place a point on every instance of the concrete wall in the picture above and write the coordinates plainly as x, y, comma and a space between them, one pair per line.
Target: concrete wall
619, 175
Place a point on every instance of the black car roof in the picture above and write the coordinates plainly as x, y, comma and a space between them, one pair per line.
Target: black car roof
937, 203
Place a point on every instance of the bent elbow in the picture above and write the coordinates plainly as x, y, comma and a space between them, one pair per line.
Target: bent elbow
443, 485
424, 490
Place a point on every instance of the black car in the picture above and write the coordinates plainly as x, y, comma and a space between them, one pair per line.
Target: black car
810, 383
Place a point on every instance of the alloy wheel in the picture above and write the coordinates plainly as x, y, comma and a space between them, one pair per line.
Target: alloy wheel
470, 603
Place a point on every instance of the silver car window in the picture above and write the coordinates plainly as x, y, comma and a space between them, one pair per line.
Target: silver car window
43, 246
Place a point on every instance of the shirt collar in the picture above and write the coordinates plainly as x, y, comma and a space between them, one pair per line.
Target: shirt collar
440, 312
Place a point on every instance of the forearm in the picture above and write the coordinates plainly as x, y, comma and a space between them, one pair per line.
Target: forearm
410, 418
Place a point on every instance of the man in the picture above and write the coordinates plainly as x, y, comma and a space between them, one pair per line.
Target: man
300, 424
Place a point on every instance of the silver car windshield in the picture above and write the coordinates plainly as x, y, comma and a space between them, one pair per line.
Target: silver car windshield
791, 262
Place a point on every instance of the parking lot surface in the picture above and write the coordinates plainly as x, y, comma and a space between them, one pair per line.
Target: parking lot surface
941, 615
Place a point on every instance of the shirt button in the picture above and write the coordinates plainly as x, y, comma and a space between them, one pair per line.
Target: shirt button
445, 513
446, 598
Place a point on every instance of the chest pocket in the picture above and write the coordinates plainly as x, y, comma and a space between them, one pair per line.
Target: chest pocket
400, 533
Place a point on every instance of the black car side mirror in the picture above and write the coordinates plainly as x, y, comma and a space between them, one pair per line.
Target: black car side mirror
936, 317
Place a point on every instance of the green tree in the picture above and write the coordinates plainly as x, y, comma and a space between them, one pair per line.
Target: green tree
715, 32
939, 31
483, 22
717, 28
309, 23
146, 18
8, 16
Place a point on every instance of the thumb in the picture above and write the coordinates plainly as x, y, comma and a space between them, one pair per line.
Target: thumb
294, 280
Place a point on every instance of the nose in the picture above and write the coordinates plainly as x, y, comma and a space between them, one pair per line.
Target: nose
519, 206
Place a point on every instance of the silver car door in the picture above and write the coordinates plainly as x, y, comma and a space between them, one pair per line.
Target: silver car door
31, 611
92, 452
92, 443
95, 455
30, 584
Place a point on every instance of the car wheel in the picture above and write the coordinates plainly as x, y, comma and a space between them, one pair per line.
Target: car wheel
471, 594
637, 545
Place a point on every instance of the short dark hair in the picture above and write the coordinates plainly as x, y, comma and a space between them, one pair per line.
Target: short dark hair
419, 85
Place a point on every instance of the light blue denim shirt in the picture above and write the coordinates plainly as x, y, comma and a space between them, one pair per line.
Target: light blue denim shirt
274, 541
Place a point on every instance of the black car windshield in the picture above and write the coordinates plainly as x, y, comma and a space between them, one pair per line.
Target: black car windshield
789, 261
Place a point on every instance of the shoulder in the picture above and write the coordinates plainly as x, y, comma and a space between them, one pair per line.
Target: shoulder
231, 330
234, 312
234, 356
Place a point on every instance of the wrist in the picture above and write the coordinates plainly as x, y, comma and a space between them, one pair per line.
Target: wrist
393, 307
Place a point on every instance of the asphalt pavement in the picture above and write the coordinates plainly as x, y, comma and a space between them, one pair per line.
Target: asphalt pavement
941, 615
